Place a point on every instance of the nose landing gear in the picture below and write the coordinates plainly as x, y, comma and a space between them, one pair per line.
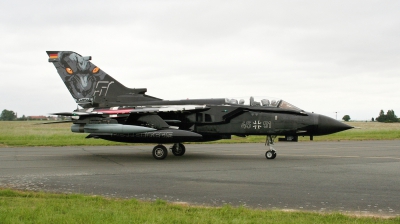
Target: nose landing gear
269, 141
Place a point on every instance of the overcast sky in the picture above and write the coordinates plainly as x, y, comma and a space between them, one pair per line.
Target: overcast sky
321, 56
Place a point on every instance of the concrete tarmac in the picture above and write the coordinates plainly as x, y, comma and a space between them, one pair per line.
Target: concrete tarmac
350, 177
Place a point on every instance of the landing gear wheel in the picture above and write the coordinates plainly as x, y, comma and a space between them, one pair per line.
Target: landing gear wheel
178, 149
270, 154
160, 152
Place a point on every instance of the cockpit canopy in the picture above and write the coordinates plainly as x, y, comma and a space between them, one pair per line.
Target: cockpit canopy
262, 102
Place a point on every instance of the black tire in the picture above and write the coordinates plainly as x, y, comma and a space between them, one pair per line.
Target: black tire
179, 151
160, 152
270, 154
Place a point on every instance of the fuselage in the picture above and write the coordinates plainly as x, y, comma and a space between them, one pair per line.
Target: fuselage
211, 121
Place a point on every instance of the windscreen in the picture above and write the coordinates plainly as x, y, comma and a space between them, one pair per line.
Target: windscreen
285, 105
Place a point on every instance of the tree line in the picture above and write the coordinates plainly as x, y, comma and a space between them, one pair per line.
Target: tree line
389, 117
9, 115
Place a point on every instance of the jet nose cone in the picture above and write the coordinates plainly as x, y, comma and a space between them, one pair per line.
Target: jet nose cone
327, 125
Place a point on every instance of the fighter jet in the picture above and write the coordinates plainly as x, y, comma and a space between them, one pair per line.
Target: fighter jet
113, 112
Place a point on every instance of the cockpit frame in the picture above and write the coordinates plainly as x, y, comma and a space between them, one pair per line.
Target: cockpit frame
262, 102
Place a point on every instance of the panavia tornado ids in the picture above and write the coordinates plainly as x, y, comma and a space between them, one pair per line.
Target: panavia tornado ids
114, 112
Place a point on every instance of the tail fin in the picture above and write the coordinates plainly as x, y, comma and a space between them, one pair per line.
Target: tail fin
89, 85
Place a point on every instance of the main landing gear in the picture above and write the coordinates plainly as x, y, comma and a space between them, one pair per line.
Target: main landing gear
178, 149
160, 152
271, 153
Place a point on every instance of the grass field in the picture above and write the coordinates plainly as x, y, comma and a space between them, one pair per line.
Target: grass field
31, 207
26, 133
